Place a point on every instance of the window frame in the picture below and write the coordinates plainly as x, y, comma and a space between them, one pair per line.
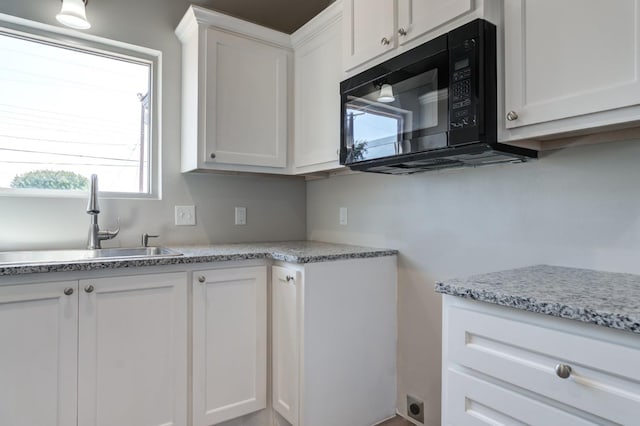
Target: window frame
72, 39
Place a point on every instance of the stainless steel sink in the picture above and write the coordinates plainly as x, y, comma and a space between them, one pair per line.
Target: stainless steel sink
70, 256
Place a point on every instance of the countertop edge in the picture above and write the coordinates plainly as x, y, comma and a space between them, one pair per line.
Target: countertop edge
559, 310
273, 254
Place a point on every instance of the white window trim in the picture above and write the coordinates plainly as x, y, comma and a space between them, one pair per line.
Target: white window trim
100, 45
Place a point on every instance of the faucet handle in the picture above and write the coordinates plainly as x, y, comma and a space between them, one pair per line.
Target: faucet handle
108, 235
145, 239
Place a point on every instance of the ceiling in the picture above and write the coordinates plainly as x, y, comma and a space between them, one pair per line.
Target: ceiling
282, 15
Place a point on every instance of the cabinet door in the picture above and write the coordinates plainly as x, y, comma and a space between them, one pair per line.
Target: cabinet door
38, 356
569, 58
318, 69
287, 325
132, 351
229, 343
417, 17
368, 30
246, 101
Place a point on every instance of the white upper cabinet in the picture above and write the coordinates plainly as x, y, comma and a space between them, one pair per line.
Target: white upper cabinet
417, 17
318, 71
369, 30
378, 30
235, 94
569, 65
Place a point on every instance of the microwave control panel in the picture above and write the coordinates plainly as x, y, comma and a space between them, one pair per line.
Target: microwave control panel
462, 85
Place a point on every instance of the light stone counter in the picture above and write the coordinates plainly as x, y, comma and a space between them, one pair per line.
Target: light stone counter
605, 298
288, 251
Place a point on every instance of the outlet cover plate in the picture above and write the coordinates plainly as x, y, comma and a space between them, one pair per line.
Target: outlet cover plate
415, 408
185, 215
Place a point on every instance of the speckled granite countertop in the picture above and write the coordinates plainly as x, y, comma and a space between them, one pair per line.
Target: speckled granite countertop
604, 298
288, 251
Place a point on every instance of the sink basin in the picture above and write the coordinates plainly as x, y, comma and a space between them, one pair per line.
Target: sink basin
62, 256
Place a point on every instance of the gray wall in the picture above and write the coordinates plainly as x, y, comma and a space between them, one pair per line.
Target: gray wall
275, 206
577, 207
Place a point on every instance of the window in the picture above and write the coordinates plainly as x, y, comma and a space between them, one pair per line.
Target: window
69, 110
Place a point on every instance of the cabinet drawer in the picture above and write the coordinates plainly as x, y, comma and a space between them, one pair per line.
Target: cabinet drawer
604, 380
475, 402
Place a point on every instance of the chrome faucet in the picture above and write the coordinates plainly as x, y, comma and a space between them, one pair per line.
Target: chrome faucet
95, 234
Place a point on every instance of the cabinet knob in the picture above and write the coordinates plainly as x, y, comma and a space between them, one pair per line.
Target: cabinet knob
402, 32
201, 279
563, 371
385, 41
212, 155
89, 288
68, 291
289, 278
512, 115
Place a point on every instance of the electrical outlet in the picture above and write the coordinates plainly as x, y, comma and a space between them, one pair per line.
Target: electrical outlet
415, 408
241, 215
185, 215
343, 216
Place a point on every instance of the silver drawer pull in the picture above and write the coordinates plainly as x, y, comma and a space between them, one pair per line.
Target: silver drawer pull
385, 41
563, 371
289, 278
201, 279
89, 288
68, 291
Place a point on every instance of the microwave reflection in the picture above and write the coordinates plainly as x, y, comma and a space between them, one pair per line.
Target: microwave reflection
415, 119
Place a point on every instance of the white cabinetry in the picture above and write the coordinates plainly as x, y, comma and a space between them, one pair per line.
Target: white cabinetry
38, 355
417, 17
318, 71
235, 94
106, 351
500, 367
570, 65
229, 352
334, 342
370, 29
132, 351
286, 323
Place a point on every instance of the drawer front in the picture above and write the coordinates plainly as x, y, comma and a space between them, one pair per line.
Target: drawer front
471, 401
604, 380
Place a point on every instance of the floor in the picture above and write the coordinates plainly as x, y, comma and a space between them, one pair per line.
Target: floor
396, 421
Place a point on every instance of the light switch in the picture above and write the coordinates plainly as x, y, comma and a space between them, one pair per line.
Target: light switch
343, 216
185, 215
241, 215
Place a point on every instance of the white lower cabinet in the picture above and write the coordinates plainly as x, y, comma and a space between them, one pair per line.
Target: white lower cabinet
38, 354
132, 358
286, 300
126, 350
504, 366
100, 352
334, 341
229, 349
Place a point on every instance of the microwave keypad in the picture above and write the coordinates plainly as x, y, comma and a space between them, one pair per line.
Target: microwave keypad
461, 89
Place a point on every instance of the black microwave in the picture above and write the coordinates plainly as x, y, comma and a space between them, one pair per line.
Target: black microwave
432, 107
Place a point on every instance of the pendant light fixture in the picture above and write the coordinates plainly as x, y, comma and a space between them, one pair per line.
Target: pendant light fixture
73, 14
386, 94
